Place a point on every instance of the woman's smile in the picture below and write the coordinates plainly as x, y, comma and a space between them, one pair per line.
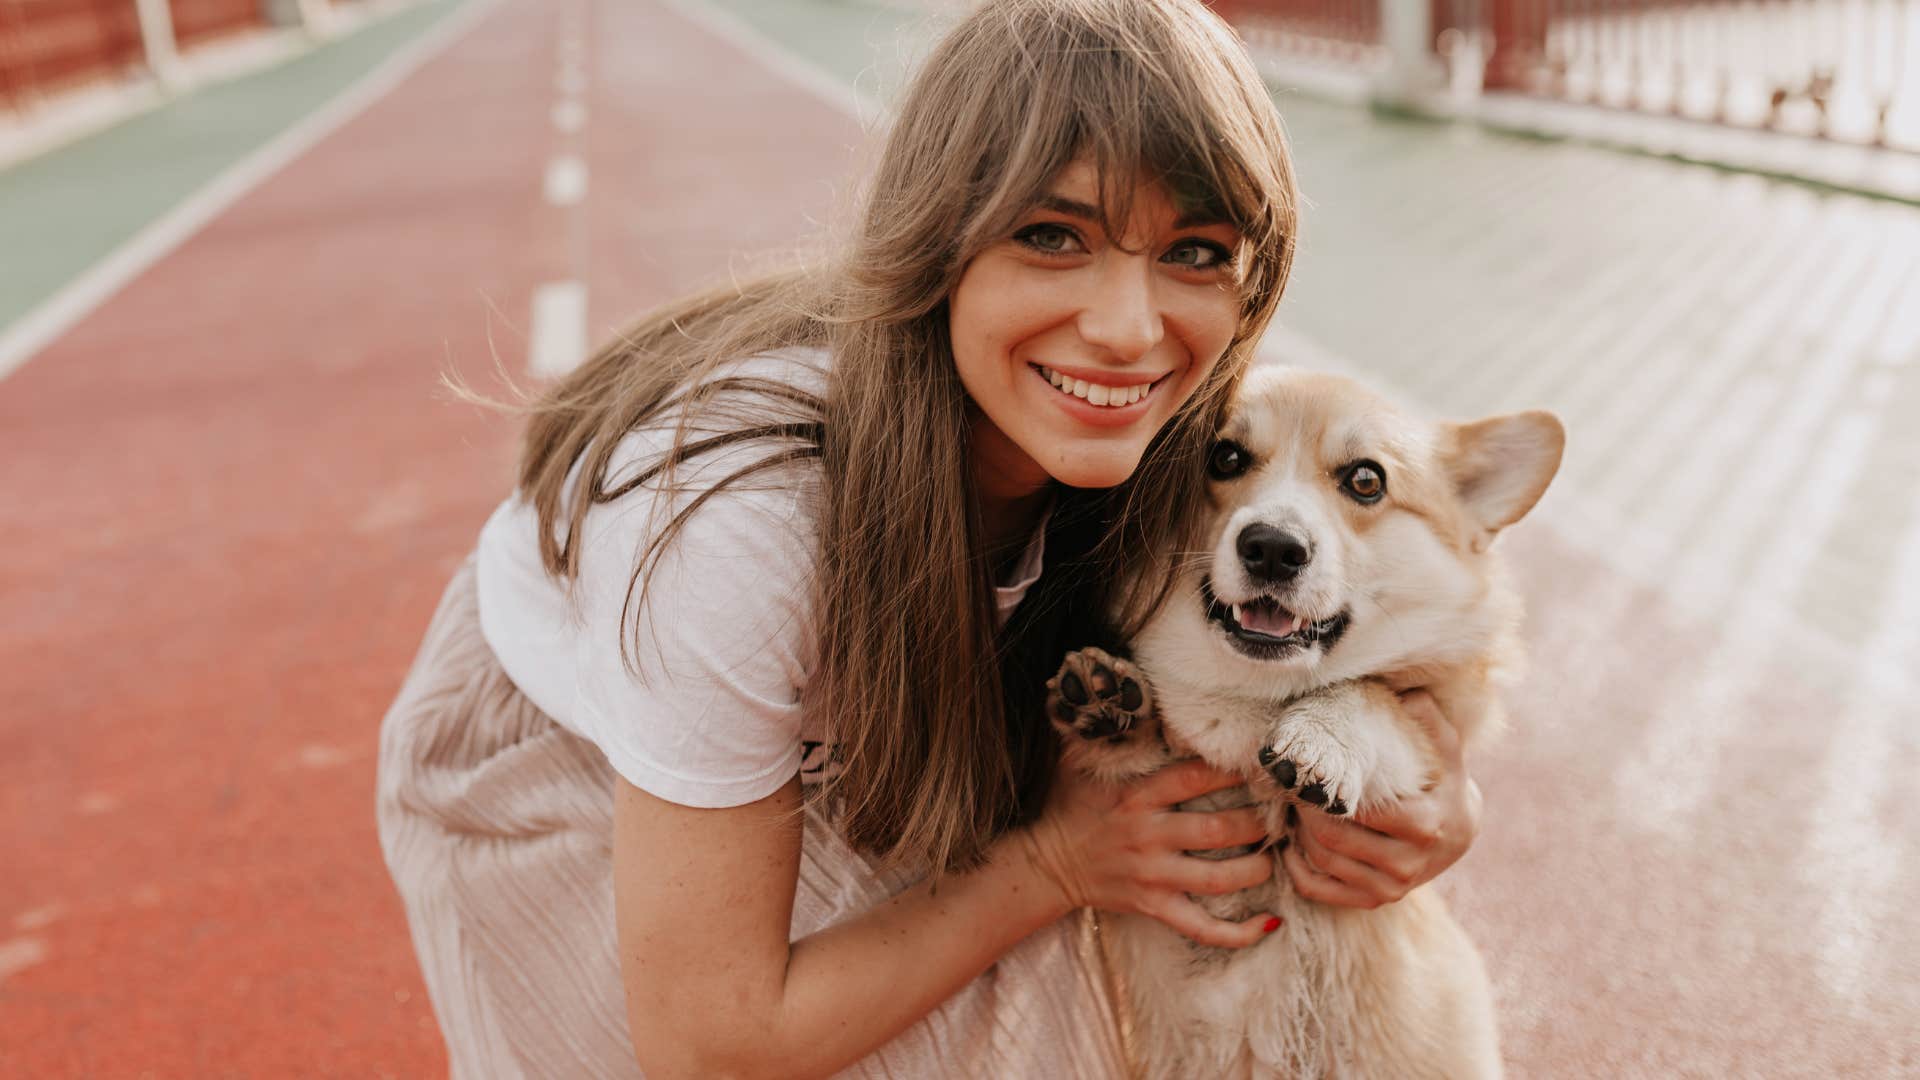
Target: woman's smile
1101, 398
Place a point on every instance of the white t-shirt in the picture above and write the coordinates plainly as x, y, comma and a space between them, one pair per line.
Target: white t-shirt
726, 633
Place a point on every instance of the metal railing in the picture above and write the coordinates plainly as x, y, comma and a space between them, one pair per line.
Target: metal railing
47, 44
1836, 69
1338, 30
195, 21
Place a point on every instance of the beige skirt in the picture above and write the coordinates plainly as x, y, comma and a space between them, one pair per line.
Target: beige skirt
497, 827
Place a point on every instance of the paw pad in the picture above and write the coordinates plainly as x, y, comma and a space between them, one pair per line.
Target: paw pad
1098, 696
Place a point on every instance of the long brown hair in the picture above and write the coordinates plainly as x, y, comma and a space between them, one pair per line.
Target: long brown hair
909, 673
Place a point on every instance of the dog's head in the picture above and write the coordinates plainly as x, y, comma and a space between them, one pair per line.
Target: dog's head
1349, 538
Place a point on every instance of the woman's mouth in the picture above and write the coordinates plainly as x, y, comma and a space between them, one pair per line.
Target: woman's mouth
1101, 394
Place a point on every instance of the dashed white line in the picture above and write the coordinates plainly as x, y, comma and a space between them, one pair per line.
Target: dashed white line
558, 340
566, 180
20, 954
570, 116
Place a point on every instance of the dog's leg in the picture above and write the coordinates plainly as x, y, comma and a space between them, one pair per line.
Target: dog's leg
1102, 706
1347, 747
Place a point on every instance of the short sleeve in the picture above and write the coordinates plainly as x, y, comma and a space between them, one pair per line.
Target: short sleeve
703, 709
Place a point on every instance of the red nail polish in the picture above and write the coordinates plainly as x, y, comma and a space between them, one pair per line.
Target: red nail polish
1273, 923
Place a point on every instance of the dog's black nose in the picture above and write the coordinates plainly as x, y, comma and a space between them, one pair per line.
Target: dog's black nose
1271, 554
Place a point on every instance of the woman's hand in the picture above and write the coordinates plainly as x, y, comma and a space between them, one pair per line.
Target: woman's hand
1385, 854
1124, 849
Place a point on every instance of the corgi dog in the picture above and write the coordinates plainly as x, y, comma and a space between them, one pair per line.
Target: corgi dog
1351, 557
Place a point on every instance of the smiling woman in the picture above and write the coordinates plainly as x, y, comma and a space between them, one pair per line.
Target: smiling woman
735, 725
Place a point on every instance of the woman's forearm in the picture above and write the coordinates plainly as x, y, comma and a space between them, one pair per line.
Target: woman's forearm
853, 986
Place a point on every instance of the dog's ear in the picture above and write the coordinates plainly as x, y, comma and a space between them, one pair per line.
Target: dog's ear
1502, 465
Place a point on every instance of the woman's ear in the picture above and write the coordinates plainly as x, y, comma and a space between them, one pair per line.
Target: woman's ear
1502, 465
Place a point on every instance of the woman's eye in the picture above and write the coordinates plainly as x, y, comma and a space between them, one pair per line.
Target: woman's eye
1227, 460
1366, 481
1198, 255
1049, 239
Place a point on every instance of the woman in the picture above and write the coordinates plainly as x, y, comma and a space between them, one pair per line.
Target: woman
728, 716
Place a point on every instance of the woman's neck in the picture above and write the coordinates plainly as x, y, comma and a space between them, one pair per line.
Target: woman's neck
1012, 488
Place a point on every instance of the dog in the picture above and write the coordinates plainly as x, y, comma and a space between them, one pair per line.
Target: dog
1351, 558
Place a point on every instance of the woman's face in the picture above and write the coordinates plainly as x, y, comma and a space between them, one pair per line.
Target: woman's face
1076, 349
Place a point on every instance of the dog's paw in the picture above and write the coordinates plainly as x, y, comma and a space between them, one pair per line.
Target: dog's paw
1314, 767
1097, 696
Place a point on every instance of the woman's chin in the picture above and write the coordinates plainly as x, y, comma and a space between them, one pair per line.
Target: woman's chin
1103, 469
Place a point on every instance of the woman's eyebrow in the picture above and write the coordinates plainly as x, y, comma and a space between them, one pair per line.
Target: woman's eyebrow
1197, 218
1071, 207
1060, 204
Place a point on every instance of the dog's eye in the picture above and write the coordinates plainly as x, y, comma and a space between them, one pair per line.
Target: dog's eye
1366, 481
1227, 460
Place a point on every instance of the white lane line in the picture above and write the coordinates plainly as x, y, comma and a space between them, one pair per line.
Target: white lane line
790, 66
559, 336
566, 180
570, 116
19, 954
58, 314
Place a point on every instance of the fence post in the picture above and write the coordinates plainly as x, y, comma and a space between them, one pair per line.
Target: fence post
156, 36
1519, 42
316, 16
1413, 72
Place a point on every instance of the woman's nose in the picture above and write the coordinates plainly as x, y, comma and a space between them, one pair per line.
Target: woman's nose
1121, 313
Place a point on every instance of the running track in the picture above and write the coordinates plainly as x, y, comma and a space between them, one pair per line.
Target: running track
234, 492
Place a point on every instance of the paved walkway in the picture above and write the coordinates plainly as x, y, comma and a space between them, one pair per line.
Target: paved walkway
233, 493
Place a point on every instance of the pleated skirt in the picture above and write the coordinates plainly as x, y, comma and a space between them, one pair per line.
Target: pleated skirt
497, 825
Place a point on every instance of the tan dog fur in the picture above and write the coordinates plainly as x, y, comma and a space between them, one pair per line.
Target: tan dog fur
1394, 993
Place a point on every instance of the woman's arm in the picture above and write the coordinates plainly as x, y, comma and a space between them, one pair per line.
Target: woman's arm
1390, 852
705, 900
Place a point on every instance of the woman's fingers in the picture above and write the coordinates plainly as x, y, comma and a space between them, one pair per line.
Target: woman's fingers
1211, 877
1319, 887
1181, 781
1188, 918
1396, 858
1417, 819
1196, 830
1381, 884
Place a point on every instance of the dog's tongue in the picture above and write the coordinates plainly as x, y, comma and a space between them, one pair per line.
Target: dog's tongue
1268, 619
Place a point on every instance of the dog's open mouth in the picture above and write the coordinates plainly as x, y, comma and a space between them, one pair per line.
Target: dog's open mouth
1264, 630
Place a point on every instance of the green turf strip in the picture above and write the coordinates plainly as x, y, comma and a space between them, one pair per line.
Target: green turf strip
62, 212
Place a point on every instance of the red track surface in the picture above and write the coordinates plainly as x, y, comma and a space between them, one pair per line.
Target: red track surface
234, 493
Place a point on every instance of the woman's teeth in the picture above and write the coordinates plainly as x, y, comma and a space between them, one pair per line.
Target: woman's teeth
1095, 393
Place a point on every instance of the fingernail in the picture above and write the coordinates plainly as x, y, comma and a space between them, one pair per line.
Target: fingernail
1273, 923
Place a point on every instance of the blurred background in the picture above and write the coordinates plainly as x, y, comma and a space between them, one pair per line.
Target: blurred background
240, 241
